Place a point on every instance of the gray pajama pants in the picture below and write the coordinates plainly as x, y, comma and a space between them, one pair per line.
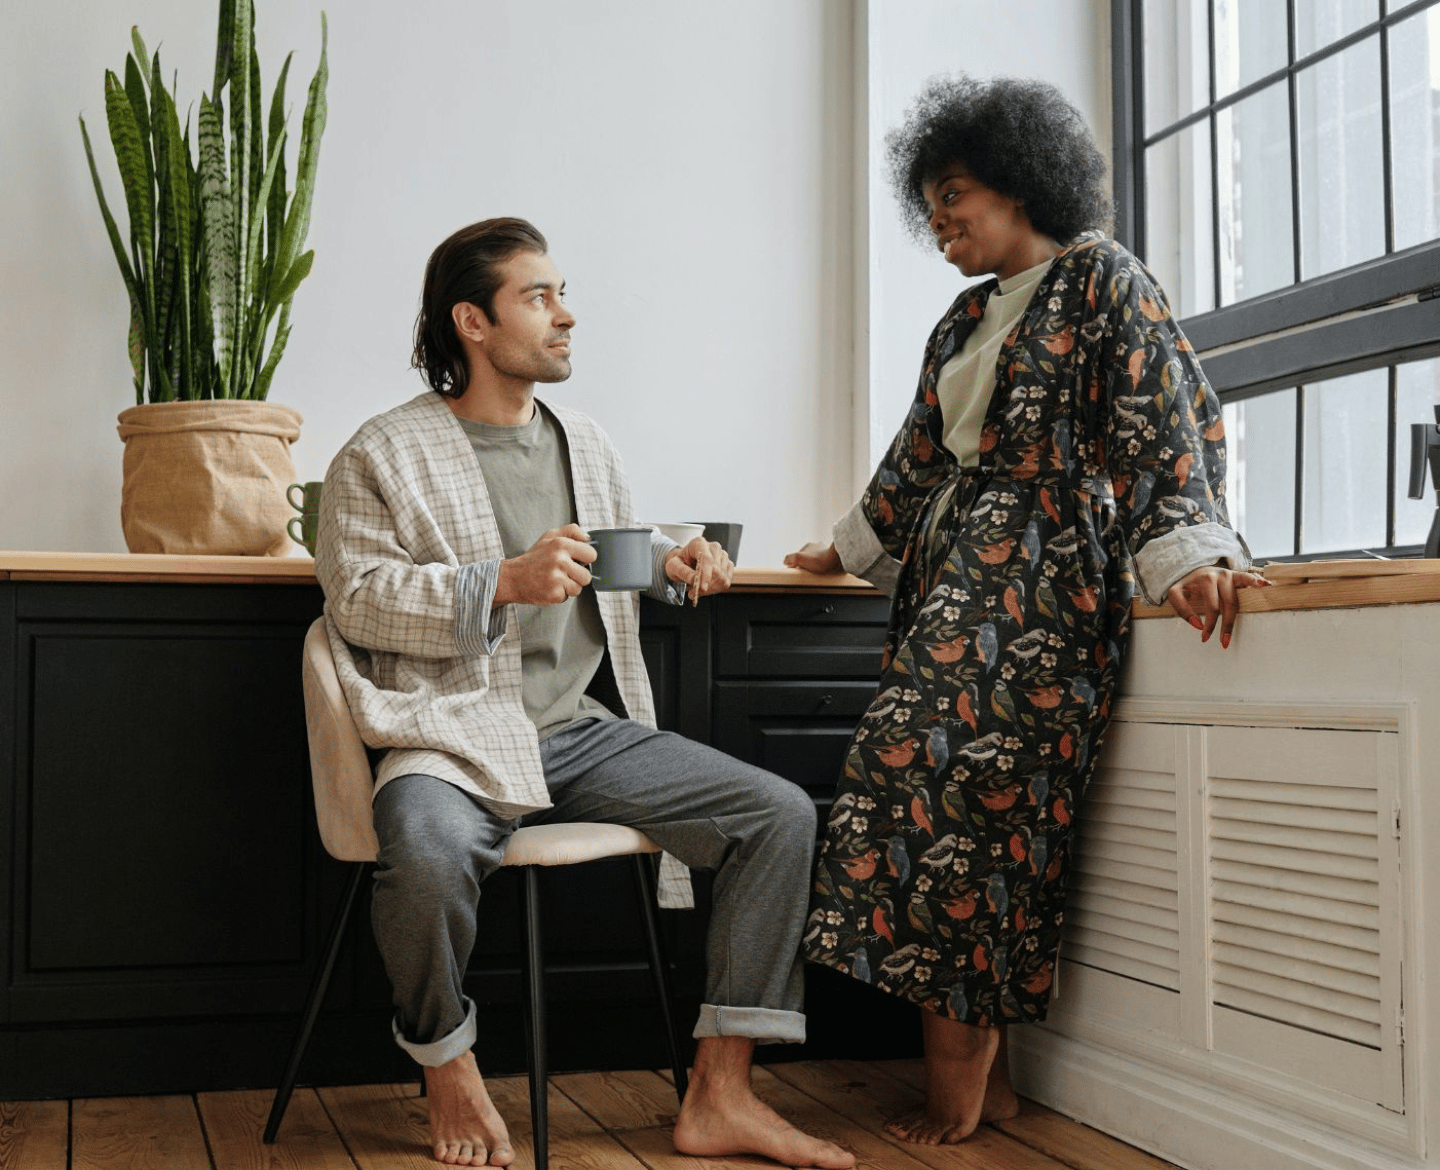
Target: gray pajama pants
753, 829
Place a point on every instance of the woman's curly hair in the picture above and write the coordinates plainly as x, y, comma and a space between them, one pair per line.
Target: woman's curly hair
1017, 136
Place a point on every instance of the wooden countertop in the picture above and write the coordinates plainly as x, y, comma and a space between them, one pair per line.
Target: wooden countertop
151, 568
1311, 585
1333, 585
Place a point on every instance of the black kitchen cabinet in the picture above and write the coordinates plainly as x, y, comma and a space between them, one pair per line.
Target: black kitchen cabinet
163, 894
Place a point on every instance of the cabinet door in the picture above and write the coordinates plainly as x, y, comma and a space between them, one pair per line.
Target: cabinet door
799, 730
165, 864
819, 637
1237, 895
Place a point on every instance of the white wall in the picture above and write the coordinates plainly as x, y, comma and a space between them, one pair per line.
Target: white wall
696, 168
1065, 42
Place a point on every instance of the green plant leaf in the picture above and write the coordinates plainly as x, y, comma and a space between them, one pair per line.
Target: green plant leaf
285, 290
130, 157
136, 338
224, 45
277, 350
242, 48
257, 135
297, 220
138, 44
275, 210
260, 305
180, 205
219, 230
135, 91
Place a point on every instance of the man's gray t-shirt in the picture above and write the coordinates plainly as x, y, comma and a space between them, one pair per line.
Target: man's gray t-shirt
527, 473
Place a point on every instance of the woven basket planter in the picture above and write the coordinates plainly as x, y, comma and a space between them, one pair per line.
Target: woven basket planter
207, 477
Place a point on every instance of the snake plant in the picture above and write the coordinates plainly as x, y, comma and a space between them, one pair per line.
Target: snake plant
214, 251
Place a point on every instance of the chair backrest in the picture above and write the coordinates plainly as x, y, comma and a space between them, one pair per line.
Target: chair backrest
339, 766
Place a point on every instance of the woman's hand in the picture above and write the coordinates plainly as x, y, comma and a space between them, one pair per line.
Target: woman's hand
1211, 594
702, 566
816, 558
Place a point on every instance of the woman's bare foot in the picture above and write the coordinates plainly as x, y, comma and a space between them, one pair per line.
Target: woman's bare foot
722, 1116
1001, 1104
959, 1059
465, 1127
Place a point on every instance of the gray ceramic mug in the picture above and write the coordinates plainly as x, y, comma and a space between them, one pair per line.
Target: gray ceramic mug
622, 559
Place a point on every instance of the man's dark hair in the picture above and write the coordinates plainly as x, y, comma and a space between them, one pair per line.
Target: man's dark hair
466, 267
1019, 137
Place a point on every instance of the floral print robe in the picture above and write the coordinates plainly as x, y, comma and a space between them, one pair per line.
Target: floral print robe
943, 872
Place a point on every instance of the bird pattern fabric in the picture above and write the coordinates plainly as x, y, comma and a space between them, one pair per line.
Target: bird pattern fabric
943, 872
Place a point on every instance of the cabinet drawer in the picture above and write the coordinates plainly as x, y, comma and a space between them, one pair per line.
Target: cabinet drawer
800, 637
799, 730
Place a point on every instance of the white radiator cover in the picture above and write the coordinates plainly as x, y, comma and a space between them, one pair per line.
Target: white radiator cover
1249, 978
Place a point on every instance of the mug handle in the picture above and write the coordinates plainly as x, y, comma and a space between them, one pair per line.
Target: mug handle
290, 495
290, 528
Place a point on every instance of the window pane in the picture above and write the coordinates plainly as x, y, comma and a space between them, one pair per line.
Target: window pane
1345, 453
1415, 126
1179, 229
1260, 488
1251, 40
1256, 229
1177, 66
1322, 22
1417, 386
1342, 181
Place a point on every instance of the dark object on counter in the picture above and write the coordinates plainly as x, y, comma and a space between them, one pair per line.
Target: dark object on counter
727, 536
1425, 448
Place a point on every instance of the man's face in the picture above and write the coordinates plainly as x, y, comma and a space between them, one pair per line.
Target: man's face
530, 337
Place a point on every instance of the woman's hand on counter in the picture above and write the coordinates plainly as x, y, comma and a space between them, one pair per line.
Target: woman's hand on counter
1204, 596
816, 558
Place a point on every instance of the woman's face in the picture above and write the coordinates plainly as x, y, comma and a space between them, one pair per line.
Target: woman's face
978, 229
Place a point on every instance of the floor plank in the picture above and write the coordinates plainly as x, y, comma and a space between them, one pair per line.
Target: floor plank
235, 1121
137, 1133
1076, 1145
868, 1097
35, 1135
598, 1121
384, 1127
621, 1100
577, 1140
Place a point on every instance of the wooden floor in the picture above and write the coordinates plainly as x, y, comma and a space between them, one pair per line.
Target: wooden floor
598, 1121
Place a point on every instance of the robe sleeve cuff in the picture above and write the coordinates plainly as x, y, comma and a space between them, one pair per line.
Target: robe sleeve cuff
1163, 561
862, 553
661, 587
479, 626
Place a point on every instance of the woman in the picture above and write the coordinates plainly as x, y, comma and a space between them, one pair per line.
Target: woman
1062, 449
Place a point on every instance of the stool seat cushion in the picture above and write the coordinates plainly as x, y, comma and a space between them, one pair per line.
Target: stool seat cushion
572, 843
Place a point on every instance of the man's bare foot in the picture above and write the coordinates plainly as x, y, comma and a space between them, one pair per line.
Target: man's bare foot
958, 1063
465, 1127
722, 1116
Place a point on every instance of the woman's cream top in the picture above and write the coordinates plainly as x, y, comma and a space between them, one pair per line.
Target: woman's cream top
967, 380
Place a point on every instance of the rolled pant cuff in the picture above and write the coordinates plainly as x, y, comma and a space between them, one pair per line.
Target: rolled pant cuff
445, 1049
763, 1025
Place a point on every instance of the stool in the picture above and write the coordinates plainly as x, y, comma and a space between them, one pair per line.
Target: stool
343, 783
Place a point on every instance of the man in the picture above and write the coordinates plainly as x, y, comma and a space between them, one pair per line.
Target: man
453, 552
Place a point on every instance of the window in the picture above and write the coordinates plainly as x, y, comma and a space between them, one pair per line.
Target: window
1278, 169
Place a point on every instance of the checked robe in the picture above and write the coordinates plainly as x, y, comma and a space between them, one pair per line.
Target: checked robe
943, 872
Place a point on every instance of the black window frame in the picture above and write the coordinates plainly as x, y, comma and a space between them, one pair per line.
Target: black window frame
1303, 333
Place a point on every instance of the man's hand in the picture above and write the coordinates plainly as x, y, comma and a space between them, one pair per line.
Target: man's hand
816, 558
552, 570
1206, 595
702, 566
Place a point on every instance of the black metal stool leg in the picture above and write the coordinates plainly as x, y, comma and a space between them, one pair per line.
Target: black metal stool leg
317, 996
535, 1014
645, 890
